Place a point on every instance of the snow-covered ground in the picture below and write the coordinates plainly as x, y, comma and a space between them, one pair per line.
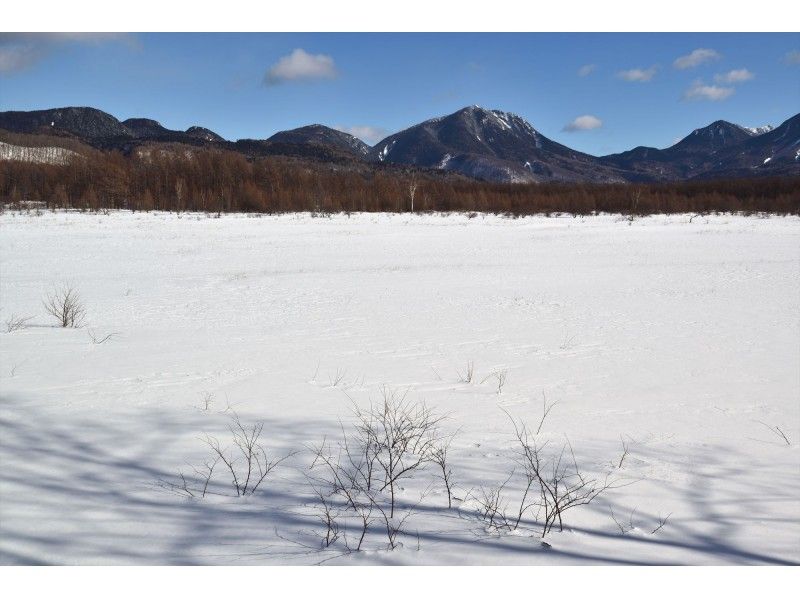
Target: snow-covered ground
682, 338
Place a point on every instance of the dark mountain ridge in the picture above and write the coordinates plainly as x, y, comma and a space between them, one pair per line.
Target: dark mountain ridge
483, 144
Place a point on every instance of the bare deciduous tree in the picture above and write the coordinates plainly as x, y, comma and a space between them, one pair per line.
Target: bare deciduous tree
439, 456
777, 431
624, 453
468, 374
561, 483
255, 464
65, 305
545, 411
662, 521
401, 434
99, 340
16, 322
337, 378
624, 526
500, 377
392, 440
208, 400
413, 184
492, 506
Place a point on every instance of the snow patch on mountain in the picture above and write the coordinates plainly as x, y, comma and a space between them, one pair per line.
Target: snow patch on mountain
754, 131
39, 155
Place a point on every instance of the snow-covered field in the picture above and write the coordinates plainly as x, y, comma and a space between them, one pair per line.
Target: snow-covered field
681, 338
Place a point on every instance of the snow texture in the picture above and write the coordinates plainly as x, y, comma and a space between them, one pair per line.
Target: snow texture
678, 334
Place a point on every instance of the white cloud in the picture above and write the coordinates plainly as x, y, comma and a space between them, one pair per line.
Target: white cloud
696, 58
586, 69
17, 58
583, 123
792, 57
638, 75
714, 93
734, 76
366, 133
19, 51
300, 65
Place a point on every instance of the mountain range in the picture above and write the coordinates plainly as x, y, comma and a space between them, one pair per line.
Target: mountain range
484, 144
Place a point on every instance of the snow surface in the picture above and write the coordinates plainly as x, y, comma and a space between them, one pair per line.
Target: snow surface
678, 335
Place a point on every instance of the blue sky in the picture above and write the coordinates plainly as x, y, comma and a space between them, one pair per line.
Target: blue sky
634, 89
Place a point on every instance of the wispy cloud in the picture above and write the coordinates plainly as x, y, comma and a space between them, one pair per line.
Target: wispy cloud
734, 76
638, 75
366, 133
20, 51
696, 58
586, 69
792, 57
301, 66
713, 93
586, 122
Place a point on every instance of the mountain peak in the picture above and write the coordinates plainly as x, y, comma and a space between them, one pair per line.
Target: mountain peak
322, 135
204, 134
719, 134
489, 144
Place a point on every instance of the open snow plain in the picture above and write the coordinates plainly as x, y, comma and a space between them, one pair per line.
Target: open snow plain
680, 338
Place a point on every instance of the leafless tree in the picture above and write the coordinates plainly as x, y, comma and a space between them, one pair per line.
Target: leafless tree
777, 431
247, 460
624, 526
500, 376
99, 340
492, 506
343, 473
439, 456
662, 521
624, 453
329, 518
65, 305
468, 374
545, 411
208, 400
16, 322
413, 184
337, 378
555, 477
402, 436
391, 440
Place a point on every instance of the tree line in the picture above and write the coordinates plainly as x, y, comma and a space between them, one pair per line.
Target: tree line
182, 178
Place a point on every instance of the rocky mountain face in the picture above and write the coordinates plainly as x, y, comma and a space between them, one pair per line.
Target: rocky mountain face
721, 149
87, 123
99, 128
323, 136
491, 145
475, 142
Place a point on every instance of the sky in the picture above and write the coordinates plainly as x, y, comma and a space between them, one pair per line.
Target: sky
597, 93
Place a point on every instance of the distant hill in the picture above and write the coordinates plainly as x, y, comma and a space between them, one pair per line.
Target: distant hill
483, 144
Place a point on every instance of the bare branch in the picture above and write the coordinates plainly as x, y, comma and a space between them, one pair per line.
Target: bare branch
16, 322
65, 305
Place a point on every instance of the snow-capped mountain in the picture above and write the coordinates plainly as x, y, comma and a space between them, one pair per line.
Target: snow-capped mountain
717, 150
492, 145
485, 144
